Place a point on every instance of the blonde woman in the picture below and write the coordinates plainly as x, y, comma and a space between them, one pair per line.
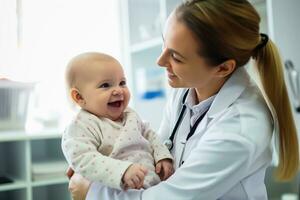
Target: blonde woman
218, 123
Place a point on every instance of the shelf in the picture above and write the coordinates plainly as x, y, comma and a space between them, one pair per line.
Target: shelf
45, 134
50, 192
6, 136
146, 45
48, 170
17, 184
143, 23
23, 151
16, 194
50, 182
17, 135
46, 151
13, 160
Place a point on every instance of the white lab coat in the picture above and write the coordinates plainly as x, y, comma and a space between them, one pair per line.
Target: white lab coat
227, 156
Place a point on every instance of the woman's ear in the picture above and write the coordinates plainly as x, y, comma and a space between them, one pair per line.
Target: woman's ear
77, 97
226, 68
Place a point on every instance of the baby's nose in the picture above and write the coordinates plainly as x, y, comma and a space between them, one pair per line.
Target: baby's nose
117, 91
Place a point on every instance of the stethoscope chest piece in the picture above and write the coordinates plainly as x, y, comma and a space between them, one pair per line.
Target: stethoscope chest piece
168, 143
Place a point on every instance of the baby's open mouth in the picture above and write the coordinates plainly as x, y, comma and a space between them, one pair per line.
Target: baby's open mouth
115, 104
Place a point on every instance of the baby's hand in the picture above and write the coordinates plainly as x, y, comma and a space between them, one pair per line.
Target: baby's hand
164, 168
134, 176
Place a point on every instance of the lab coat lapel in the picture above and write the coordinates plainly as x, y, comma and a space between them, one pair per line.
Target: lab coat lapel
184, 128
230, 91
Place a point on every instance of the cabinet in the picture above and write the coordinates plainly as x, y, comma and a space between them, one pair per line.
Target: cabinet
35, 164
280, 21
284, 18
142, 25
284, 29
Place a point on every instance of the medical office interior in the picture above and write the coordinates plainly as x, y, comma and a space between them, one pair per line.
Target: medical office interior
38, 38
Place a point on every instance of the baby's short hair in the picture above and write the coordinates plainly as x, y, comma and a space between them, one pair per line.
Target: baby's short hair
79, 61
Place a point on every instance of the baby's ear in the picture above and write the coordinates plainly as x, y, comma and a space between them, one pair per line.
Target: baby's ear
77, 97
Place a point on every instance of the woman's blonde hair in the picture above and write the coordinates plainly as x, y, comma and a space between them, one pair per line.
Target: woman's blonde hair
230, 30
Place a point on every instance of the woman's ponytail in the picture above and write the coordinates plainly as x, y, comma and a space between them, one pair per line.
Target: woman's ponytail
270, 71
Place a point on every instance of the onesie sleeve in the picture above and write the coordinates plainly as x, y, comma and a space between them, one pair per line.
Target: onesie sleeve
80, 145
160, 151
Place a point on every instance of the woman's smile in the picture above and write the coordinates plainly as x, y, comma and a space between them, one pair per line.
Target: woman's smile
171, 75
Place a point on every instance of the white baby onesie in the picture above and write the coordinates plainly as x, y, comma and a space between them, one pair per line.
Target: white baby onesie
101, 149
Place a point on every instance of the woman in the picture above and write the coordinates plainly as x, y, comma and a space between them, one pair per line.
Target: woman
207, 43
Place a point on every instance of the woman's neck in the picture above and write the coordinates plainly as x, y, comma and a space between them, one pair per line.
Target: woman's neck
209, 90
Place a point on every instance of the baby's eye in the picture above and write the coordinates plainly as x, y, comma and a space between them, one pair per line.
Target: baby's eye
104, 85
123, 83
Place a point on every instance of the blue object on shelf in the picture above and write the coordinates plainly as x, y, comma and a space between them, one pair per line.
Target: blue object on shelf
153, 94
150, 83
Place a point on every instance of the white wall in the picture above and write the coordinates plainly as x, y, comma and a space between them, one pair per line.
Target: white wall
286, 28
8, 34
285, 31
53, 31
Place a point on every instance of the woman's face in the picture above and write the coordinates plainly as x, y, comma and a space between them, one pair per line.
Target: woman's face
185, 67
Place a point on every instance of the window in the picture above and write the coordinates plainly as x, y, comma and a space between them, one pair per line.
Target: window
44, 35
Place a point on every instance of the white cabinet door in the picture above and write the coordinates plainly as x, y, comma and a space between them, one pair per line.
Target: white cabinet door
284, 26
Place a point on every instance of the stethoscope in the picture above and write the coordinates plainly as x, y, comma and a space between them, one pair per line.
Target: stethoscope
170, 142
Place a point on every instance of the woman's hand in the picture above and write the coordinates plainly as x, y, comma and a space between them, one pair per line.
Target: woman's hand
78, 185
164, 168
134, 176
69, 172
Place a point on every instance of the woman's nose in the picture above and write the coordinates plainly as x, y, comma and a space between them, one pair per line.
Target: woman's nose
161, 60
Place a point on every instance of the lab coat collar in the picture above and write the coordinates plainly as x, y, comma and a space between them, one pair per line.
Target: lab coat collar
200, 107
230, 91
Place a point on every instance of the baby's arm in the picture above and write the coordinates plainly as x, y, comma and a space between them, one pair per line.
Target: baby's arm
80, 143
160, 151
163, 158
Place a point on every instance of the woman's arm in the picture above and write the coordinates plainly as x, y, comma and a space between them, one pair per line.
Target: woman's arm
224, 156
221, 159
78, 187
212, 169
97, 191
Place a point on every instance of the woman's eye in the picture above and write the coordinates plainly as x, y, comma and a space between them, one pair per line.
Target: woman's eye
175, 59
122, 83
104, 85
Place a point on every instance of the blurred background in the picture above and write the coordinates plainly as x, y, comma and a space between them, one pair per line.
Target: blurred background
39, 37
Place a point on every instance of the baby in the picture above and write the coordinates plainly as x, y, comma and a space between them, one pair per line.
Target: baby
107, 141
